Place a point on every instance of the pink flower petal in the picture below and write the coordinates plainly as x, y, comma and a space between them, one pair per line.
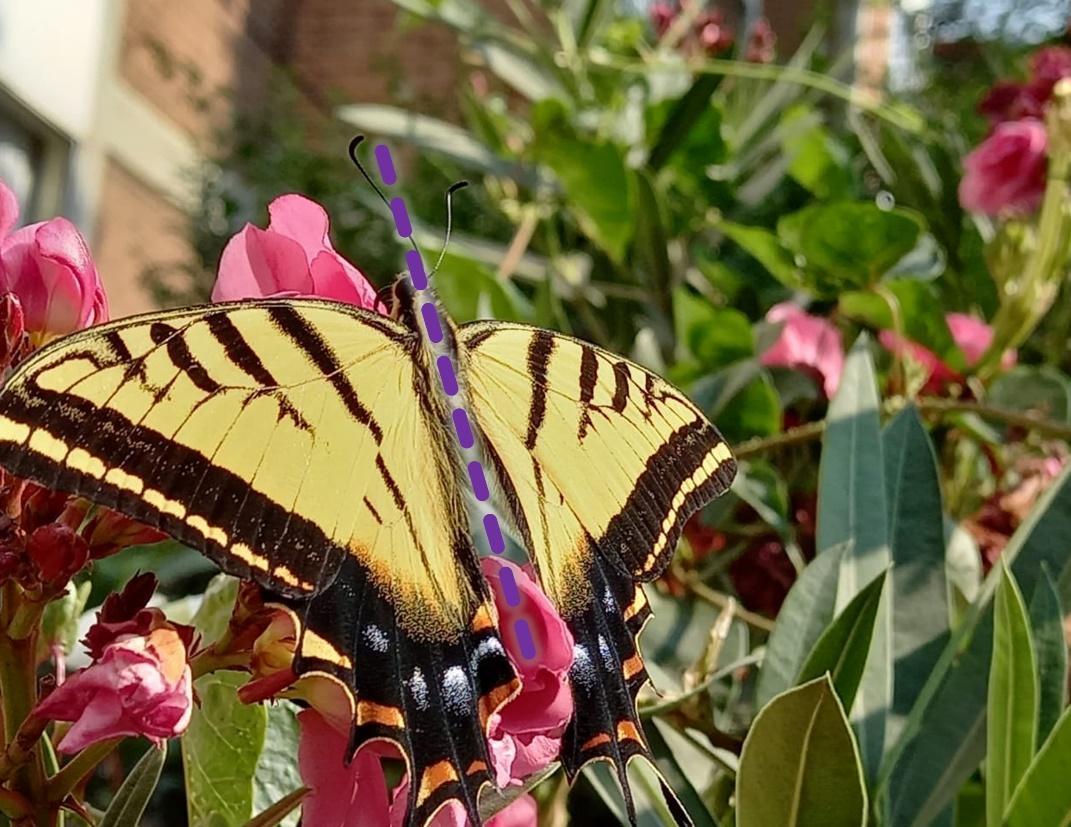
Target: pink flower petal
1006, 172
302, 220
9, 210
808, 343
334, 278
521, 812
258, 263
342, 796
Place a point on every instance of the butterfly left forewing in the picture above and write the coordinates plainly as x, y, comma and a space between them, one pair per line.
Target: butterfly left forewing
295, 443
601, 463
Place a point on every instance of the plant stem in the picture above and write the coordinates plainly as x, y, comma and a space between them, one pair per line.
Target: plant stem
60, 785
933, 405
722, 601
18, 688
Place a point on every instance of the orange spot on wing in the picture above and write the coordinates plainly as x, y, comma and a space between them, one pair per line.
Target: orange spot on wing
492, 700
632, 667
597, 741
390, 716
626, 730
476, 767
637, 604
434, 777
482, 619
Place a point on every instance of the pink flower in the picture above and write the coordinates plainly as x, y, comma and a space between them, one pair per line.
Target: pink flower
525, 735
139, 686
1006, 172
1047, 67
972, 336
714, 34
48, 267
342, 796
662, 16
761, 42
293, 257
808, 343
139, 682
1008, 101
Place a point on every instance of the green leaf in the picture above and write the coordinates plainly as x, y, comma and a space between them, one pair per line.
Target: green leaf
220, 751
276, 775
768, 250
1050, 646
133, 796
217, 605
1042, 390
518, 69
59, 624
753, 412
600, 190
917, 542
944, 738
678, 125
852, 511
854, 243
1013, 700
843, 648
806, 612
800, 766
818, 161
652, 242
715, 336
679, 781
427, 134
1044, 796
470, 291
920, 312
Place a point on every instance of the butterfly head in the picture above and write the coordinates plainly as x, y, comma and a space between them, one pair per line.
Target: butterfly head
398, 300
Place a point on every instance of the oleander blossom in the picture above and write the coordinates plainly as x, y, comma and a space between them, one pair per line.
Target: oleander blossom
808, 343
292, 257
139, 683
47, 266
971, 335
1006, 172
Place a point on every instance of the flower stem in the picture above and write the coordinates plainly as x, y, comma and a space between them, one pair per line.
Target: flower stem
18, 688
71, 774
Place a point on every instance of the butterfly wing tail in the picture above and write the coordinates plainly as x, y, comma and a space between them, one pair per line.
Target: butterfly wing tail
606, 677
431, 699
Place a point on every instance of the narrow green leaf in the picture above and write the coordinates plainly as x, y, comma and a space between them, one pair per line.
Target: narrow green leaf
1013, 700
220, 751
807, 610
852, 510
652, 241
133, 797
767, 249
677, 779
843, 648
1050, 646
1042, 390
677, 126
916, 538
1044, 796
800, 766
283, 811
944, 737
426, 133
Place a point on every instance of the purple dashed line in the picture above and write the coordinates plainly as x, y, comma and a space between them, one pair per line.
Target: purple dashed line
431, 322
416, 268
386, 165
479, 484
446, 374
461, 425
433, 328
401, 217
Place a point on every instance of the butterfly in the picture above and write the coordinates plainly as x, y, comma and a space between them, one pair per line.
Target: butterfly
305, 445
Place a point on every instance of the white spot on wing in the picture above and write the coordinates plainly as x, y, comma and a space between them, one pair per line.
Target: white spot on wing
376, 639
485, 648
607, 655
583, 671
418, 688
457, 694
609, 602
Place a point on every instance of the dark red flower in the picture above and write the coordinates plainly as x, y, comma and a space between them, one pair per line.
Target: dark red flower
57, 552
761, 42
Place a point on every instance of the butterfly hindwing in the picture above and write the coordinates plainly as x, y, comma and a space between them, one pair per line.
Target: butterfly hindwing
601, 463
297, 443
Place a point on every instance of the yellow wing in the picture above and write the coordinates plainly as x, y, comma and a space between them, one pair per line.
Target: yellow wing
601, 463
275, 436
299, 444
595, 447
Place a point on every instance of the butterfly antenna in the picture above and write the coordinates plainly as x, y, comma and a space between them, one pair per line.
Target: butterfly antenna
460, 185
355, 142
